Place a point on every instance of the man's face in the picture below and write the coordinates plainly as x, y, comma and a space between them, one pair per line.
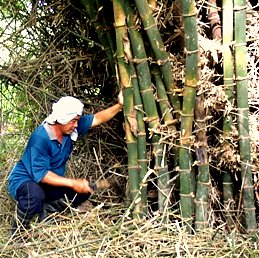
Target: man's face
70, 126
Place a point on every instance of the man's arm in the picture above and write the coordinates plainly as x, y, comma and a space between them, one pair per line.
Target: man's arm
78, 185
107, 114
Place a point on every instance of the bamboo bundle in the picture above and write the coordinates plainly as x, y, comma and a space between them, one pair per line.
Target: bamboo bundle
160, 53
191, 80
145, 84
247, 189
123, 52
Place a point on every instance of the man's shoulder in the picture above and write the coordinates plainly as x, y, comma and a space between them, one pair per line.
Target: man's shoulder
39, 136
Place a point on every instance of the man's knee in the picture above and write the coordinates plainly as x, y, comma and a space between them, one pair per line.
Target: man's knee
30, 198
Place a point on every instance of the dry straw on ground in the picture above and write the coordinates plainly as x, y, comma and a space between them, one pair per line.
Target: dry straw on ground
105, 232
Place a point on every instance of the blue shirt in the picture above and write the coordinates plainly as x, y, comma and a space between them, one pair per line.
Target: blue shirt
44, 153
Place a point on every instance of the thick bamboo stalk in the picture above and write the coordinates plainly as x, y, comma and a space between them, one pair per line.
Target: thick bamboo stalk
159, 50
169, 121
191, 81
242, 107
141, 139
164, 103
129, 112
228, 74
103, 35
203, 185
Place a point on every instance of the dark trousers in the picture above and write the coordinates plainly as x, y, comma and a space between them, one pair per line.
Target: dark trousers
32, 196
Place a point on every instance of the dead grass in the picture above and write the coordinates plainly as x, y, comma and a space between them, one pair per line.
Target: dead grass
106, 232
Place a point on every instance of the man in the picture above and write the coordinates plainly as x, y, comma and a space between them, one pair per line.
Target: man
37, 182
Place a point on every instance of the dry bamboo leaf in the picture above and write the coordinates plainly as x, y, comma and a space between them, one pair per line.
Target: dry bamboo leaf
210, 46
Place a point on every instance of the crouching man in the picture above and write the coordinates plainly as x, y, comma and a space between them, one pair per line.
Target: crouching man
37, 182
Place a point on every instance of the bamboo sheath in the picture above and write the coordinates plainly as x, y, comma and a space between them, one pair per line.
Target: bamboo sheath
242, 111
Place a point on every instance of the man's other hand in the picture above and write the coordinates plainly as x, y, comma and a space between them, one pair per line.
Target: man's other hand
81, 186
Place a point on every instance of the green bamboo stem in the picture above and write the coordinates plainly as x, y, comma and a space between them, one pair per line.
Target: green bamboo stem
228, 73
242, 107
191, 81
163, 177
141, 139
103, 35
162, 99
159, 50
169, 121
229, 204
203, 185
129, 112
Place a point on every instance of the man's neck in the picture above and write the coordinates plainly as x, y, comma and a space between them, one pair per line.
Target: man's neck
56, 128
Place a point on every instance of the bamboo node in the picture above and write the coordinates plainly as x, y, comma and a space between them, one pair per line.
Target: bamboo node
139, 60
199, 164
151, 26
162, 62
151, 120
241, 137
119, 25
239, 78
243, 109
187, 195
227, 183
146, 90
228, 79
133, 167
176, 90
187, 115
189, 14
204, 183
184, 170
201, 222
201, 201
143, 160
190, 52
191, 85
249, 209
239, 8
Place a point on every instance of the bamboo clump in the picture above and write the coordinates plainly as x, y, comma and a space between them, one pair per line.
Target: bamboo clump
181, 148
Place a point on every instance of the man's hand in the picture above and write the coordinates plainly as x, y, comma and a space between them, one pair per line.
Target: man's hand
78, 185
105, 115
120, 98
81, 186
